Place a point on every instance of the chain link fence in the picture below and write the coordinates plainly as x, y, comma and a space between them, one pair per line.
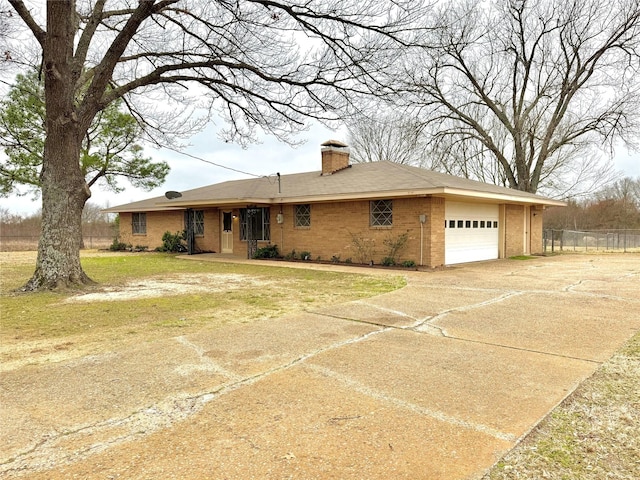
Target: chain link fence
22, 243
594, 240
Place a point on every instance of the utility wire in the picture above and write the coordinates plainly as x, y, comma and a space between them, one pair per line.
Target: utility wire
213, 163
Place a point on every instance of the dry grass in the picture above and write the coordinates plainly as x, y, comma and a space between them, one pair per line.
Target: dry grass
141, 297
594, 434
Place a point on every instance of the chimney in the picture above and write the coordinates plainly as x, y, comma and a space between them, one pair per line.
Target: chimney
335, 157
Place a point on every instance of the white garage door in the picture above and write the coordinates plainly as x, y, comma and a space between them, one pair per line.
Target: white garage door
471, 232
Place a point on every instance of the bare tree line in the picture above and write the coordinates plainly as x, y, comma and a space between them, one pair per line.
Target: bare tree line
614, 207
529, 95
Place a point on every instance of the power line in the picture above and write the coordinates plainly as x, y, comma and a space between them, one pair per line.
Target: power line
213, 163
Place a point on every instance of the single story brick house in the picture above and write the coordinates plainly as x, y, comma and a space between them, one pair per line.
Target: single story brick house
346, 212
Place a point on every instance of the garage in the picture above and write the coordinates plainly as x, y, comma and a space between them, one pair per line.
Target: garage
471, 232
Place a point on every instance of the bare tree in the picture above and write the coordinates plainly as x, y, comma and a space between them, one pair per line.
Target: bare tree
531, 94
265, 64
390, 137
5, 33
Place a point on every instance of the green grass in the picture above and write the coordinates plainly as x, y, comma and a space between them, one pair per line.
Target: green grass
281, 290
522, 257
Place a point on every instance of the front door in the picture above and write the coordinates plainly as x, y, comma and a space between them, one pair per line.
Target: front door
227, 232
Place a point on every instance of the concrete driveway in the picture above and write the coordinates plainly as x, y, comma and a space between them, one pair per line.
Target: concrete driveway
434, 381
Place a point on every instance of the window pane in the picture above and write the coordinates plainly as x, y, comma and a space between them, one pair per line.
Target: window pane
302, 215
381, 213
481, 223
255, 220
139, 223
460, 223
227, 221
452, 224
495, 224
475, 224
198, 222
467, 224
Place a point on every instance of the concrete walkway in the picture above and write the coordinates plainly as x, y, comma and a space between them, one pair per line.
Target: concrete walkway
434, 381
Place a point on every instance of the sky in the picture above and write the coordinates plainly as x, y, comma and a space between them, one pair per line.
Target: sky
263, 159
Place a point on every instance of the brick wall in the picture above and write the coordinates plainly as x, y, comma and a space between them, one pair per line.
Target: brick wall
157, 224
335, 225
435, 224
171, 221
536, 230
514, 230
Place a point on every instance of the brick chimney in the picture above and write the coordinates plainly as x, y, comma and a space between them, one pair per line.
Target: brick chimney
335, 157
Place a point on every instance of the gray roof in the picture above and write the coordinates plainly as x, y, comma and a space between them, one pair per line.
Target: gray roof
359, 181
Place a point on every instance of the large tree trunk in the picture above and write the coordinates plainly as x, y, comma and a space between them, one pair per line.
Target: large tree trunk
64, 190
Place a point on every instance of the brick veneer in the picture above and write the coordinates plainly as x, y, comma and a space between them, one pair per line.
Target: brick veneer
333, 225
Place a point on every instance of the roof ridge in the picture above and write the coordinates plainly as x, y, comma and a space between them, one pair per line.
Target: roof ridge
418, 172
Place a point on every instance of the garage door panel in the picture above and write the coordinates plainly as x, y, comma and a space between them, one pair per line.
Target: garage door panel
471, 232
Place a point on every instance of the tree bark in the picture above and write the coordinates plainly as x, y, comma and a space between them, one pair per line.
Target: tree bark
64, 190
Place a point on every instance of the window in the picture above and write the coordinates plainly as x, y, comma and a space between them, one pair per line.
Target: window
452, 224
256, 222
460, 223
381, 213
198, 223
227, 221
475, 224
302, 215
139, 224
467, 224
481, 223
495, 224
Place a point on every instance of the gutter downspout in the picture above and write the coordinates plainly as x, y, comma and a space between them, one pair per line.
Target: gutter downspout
423, 219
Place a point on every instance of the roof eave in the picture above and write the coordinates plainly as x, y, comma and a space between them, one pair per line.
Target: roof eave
504, 197
413, 193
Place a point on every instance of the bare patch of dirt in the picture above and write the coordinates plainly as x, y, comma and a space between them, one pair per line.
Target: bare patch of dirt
175, 285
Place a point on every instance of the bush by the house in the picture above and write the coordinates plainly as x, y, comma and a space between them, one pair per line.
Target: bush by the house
118, 246
395, 246
388, 262
364, 248
173, 242
269, 251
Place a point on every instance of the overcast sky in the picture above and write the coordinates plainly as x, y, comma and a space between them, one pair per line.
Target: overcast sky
266, 158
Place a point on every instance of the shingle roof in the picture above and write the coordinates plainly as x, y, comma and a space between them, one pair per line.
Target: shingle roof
359, 181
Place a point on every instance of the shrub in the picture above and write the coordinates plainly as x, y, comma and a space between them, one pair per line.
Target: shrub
408, 264
291, 255
173, 242
388, 262
268, 251
395, 245
305, 255
118, 246
335, 259
364, 248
